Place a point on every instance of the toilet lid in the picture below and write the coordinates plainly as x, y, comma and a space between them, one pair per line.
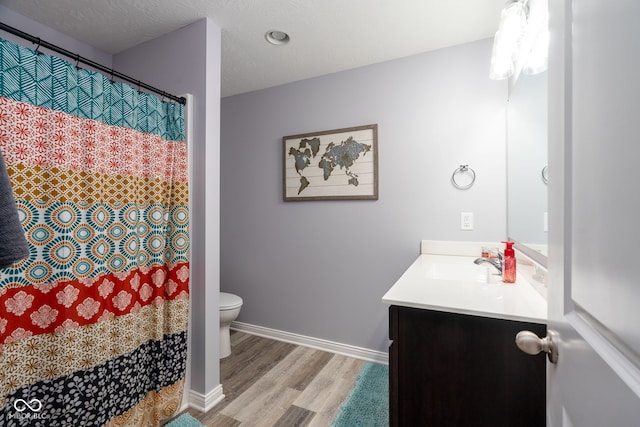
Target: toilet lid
229, 301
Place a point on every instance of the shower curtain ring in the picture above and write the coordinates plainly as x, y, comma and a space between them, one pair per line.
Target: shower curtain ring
38, 46
77, 61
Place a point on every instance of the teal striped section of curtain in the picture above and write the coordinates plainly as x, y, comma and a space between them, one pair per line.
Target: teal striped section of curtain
54, 83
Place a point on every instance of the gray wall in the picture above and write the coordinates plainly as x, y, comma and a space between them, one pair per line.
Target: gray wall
36, 29
320, 268
188, 61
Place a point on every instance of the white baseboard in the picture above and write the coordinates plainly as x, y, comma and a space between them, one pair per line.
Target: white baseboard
203, 402
317, 343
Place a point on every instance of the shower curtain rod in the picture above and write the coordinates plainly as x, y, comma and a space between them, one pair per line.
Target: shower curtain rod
78, 58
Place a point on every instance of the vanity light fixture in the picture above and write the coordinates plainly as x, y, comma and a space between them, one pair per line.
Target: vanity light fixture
538, 22
277, 37
522, 39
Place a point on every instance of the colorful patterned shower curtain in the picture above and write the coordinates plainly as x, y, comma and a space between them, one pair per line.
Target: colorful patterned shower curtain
93, 325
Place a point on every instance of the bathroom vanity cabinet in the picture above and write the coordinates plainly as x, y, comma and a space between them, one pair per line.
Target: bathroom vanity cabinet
452, 369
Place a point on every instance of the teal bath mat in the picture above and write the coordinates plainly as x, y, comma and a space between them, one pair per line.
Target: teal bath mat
185, 420
368, 403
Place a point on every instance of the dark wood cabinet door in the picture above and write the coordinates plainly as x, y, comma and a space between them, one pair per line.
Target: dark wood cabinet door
451, 369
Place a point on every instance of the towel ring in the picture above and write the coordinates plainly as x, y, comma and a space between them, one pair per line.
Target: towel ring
463, 169
545, 175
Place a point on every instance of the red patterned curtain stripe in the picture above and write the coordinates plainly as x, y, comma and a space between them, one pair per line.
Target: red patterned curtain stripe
56, 307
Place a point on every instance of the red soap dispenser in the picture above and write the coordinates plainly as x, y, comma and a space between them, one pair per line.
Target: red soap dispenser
509, 264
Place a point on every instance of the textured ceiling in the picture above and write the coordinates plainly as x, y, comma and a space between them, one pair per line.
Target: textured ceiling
326, 35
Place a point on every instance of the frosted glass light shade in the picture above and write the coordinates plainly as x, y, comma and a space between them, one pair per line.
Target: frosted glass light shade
506, 43
537, 61
502, 65
538, 27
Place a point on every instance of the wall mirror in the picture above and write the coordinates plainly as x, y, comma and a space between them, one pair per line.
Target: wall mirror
526, 165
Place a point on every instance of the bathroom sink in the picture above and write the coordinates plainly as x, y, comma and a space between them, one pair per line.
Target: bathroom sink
462, 269
453, 283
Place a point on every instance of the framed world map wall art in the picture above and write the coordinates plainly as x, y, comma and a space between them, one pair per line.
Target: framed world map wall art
339, 164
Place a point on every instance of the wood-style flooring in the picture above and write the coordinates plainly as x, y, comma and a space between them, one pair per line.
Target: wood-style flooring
271, 383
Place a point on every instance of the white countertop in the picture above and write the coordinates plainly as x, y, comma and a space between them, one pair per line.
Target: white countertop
455, 284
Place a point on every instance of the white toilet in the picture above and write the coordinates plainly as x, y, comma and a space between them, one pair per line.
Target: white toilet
230, 305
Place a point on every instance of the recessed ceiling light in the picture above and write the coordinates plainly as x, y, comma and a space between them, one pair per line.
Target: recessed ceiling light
277, 37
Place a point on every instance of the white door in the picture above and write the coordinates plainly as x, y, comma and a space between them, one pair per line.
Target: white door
594, 206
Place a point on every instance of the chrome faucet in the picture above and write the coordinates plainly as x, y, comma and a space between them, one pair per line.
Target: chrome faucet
496, 262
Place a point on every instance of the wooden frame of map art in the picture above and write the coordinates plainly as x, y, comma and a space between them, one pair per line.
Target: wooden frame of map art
339, 164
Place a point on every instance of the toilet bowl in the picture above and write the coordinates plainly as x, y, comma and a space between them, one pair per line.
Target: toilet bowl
230, 305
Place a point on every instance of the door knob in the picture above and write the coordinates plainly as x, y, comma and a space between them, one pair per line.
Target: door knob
529, 342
